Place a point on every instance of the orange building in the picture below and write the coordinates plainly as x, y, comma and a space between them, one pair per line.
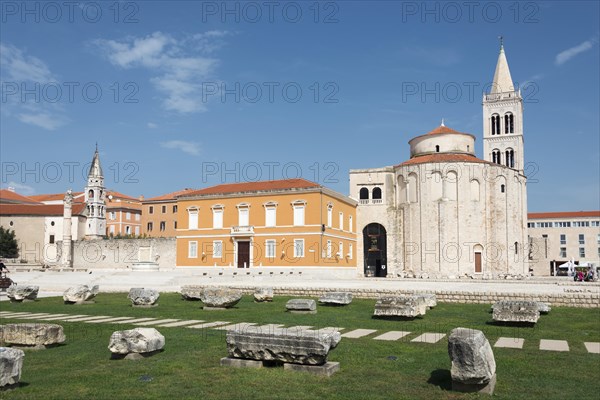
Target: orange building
292, 222
159, 214
123, 214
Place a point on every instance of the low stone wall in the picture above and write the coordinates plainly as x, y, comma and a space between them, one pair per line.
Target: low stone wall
122, 253
567, 299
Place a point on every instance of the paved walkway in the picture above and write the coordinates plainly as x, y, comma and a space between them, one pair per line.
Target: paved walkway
428, 337
54, 283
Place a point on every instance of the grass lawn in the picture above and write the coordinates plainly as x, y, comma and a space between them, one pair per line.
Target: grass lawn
189, 365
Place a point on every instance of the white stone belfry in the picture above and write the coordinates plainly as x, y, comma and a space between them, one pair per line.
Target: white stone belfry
67, 243
95, 201
503, 119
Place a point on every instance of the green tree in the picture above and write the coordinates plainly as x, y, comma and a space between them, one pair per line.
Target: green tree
9, 248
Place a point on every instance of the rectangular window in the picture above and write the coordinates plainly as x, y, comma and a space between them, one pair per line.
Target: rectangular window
595, 223
174, 209
149, 227
113, 215
174, 224
243, 217
151, 210
270, 249
350, 227
350, 250
341, 221
193, 219
112, 229
341, 250
137, 230
217, 249
298, 215
137, 217
563, 239
582, 252
581, 238
164, 209
128, 216
328, 249
217, 218
51, 239
599, 238
298, 248
193, 249
270, 216
329, 216
563, 252
163, 226
128, 230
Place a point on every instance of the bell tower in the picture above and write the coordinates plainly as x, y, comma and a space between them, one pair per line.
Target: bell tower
503, 119
95, 200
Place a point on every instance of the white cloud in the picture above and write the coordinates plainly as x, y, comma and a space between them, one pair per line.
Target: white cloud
180, 65
21, 69
566, 55
25, 190
192, 148
151, 125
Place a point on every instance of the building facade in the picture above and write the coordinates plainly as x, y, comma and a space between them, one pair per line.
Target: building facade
558, 237
285, 223
123, 215
445, 212
159, 214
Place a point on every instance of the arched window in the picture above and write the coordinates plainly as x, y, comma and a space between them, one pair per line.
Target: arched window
377, 193
516, 247
502, 188
495, 124
437, 149
364, 195
91, 194
496, 156
510, 158
509, 123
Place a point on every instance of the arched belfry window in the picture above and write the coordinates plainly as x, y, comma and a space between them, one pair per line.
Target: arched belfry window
364, 194
509, 123
437, 149
510, 158
376, 194
495, 124
496, 156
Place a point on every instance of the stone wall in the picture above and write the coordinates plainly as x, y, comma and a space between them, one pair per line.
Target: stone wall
580, 299
122, 253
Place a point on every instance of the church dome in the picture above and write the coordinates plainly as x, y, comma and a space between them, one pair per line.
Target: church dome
442, 140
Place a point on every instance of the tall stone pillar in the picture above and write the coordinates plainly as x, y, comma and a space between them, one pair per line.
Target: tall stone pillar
67, 243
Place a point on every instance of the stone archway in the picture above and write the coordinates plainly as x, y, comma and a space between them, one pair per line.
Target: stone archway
375, 250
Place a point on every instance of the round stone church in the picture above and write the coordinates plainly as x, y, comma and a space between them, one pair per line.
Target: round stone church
445, 213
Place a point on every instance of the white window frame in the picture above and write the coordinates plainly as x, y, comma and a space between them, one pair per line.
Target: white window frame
350, 223
341, 250
112, 229
299, 254
217, 250
328, 251
299, 209
270, 210
341, 221
243, 209
137, 217
329, 215
270, 248
350, 250
193, 249
217, 217
128, 216
137, 230
193, 213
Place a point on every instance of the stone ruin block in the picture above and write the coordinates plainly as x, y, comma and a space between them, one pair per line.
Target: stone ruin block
400, 306
516, 311
219, 298
11, 363
80, 294
301, 306
263, 295
336, 298
32, 335
136, 343
141, 297
473, 363
20, 293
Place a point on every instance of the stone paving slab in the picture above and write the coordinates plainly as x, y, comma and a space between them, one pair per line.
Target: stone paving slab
268, 327
138, 320
67, 317
88, 318
182, 323
47, 317
111, 319
358, 333
156, 322
429, 337
208, 325
239, 325
14, 314
592, 347
32, 316
510, 343
554, 345
392, 335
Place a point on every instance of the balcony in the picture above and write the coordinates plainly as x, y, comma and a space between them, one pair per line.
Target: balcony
515, 94
242, 230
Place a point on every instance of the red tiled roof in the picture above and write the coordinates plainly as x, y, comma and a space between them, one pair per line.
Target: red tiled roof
444, 129
8, 196
120, 195
53, 196
170, 196
39, 209
563, 214
255, 187
444, 157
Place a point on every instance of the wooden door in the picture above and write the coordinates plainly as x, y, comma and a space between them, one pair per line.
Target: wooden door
477, 262
243, 249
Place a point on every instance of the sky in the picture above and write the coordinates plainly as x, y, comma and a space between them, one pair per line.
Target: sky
189, 94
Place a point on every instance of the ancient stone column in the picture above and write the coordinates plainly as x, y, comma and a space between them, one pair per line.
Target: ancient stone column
66, 259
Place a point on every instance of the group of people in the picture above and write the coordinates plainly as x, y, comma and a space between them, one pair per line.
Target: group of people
589, 275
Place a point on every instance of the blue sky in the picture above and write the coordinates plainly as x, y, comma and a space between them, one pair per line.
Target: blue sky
190, 94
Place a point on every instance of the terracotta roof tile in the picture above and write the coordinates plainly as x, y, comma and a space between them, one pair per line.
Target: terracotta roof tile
39, 209
53, 196
170, 196
563, 214
120, 195
444, 157
260, 186
444, 129
8, 196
